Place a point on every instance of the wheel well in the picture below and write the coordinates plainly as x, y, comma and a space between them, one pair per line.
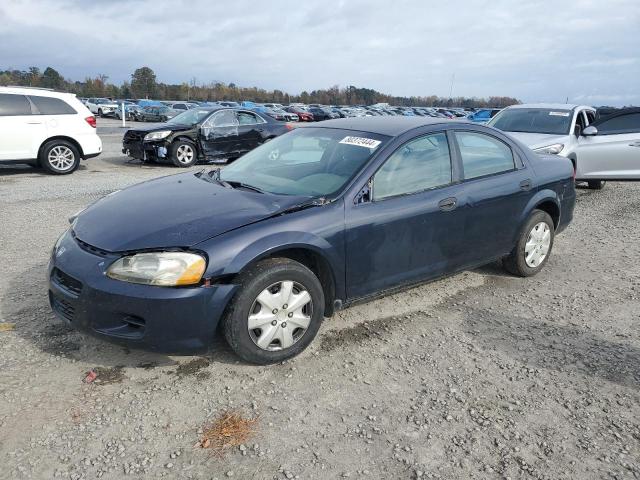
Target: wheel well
552, 209
61, 137
318, 265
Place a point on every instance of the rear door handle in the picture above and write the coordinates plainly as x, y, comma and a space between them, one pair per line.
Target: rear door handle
34, 123
635, 144
525, 185
448, 204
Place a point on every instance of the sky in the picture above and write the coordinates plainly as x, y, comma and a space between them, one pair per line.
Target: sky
535, 50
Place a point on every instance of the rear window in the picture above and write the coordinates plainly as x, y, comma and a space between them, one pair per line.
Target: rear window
52, 106
11, 104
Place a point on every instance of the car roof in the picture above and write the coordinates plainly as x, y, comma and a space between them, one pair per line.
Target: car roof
554, 106
34, 91
390, 126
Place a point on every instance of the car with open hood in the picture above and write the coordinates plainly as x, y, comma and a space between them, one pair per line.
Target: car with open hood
316, 219
203, 134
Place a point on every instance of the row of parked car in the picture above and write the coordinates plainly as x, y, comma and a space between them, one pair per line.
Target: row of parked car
161, 111
55, 130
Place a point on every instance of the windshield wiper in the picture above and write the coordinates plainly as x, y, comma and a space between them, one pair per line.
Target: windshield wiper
313, 202
212, 176
235, 184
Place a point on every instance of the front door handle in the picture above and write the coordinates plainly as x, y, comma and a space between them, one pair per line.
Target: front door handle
34, 123
448, 204
635, 144
525, 185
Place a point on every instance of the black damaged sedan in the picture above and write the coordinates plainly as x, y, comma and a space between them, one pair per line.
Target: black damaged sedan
202, 135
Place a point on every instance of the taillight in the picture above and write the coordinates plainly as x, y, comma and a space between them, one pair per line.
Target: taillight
91, 121
289, 126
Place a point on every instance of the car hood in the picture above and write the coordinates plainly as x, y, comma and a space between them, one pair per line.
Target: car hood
163, 126
175, 211
537, 140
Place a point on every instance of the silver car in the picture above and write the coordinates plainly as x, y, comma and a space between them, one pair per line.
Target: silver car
605, 148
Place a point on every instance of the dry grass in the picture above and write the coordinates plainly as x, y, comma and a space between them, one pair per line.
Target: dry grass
229, 430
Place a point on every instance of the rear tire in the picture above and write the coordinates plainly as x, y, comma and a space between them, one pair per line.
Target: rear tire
596, 184
280, 330
534, 245
59, 157
183, 153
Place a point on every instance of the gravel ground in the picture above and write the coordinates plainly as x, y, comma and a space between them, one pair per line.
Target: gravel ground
480, 375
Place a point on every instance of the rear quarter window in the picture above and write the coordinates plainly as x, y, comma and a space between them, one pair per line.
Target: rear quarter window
13, 105
52, 106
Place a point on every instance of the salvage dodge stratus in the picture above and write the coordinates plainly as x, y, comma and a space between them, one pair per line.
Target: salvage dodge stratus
301, 226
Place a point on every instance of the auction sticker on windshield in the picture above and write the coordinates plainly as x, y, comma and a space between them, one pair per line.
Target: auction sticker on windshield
559, 114
361, 142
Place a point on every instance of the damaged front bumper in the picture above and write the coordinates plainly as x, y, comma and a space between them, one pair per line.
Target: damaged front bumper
155, 151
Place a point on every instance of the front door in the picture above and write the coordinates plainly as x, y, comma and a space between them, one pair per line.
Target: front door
219, 135
614, 153
408, 227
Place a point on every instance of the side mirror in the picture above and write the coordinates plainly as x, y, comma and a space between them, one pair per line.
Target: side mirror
590, 131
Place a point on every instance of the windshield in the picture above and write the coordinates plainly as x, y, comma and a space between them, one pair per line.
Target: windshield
533, 120
190, 117
312, 162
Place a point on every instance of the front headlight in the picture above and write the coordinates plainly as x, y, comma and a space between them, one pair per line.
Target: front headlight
165, 269
552, 149
157, 135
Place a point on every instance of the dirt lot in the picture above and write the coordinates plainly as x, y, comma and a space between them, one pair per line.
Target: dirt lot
481, 375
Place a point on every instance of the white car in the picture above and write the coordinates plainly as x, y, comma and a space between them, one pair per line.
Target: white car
50, 129
606, 148
102, 106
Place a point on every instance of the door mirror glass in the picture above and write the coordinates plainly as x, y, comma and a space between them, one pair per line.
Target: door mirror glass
590, 131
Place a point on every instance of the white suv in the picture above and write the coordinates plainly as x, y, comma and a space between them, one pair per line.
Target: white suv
51, 129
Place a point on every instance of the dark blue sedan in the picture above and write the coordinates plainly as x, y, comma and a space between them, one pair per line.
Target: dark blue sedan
304, 225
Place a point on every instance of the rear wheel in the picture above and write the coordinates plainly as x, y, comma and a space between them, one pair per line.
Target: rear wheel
59, 157
277, 312
532, 251
183, 153
596, 184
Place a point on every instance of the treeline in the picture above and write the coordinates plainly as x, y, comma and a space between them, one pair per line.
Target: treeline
144, 84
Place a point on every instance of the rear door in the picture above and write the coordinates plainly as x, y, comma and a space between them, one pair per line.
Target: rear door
21, 133
497, 188
219, 135
250, 128
59, 117
614, 153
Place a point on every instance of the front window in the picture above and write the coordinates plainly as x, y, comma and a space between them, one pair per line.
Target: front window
310, 162
419, 165
533, 120
190, 117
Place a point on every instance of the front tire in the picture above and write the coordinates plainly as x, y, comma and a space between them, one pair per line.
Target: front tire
534, 245
183, 153
596, 184
277, 312
59, 157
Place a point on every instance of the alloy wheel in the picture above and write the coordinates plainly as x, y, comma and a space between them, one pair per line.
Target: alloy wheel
185, 154
61, 158
538, 244
280, 316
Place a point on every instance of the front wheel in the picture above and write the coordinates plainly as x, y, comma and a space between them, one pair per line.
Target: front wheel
534, 245
183, 153
277, 312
